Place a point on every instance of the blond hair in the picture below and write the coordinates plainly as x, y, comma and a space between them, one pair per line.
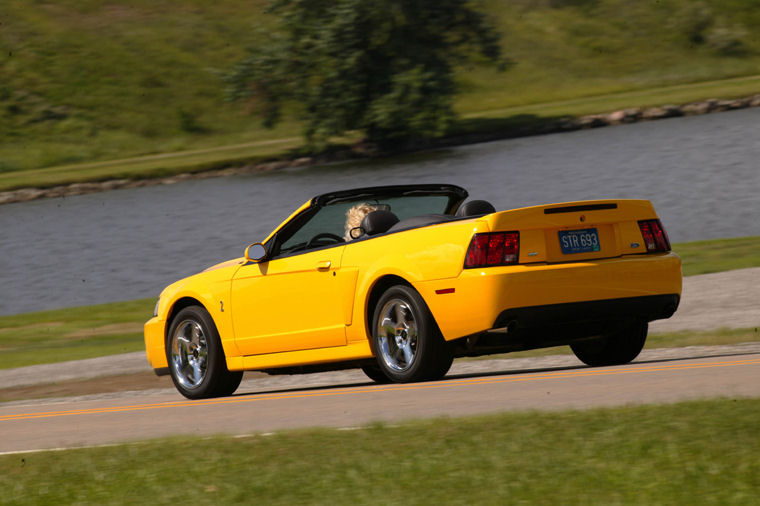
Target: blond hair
354, 217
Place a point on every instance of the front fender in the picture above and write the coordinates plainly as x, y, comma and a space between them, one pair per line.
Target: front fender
209, 289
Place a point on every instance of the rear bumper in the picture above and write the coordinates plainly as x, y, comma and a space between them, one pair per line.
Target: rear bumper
647, 308
642, 286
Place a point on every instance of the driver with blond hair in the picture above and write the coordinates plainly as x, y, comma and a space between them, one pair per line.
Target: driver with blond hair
354, 217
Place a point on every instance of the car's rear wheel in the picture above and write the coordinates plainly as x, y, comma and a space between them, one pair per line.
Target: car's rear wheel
617, 348
196, 358
407, 342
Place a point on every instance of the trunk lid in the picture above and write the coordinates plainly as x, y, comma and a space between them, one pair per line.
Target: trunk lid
576, 231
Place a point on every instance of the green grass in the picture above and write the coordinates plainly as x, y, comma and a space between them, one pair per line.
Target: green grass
702, 452
702, 257
107, 329
73, 333
702, 338
151, 166
86, 81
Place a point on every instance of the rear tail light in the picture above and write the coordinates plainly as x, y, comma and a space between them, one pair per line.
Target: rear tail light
495, 248
655, 237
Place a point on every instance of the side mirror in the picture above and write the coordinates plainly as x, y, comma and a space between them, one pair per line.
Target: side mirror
256, 252
356, 232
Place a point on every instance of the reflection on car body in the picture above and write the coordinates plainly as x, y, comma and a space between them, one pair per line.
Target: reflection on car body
428, 276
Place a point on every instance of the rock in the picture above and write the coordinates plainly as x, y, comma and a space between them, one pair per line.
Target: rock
114, 184
739, 103
695, 108
653, 113
26, 194
721, 105
632, 115
615, 118
672, 111
591, 121
301, 162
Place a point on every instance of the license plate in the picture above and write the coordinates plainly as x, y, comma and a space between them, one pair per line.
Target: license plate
579, 241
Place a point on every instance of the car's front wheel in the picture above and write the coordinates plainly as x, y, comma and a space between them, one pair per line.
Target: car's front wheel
617, 348
196, 358
376, 374
407, 342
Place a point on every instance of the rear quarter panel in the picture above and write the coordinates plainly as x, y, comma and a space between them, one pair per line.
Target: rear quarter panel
434, 252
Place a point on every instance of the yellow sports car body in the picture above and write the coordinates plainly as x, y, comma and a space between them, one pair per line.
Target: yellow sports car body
422, 277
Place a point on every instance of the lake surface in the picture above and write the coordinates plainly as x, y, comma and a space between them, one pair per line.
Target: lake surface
702, 173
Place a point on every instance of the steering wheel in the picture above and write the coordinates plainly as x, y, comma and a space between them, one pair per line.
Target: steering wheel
323, 235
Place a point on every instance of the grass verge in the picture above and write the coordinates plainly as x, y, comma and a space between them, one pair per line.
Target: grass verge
151, 166
685, 453
73, 333
107, 329
704, 257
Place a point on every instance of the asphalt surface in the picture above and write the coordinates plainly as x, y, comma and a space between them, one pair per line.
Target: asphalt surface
264, 407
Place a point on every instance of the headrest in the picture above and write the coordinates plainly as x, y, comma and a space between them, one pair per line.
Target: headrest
475, 208
378, 222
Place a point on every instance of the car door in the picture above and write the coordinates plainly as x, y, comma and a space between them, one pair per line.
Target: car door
289, 303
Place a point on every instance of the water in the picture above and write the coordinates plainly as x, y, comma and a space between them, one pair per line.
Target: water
701, 172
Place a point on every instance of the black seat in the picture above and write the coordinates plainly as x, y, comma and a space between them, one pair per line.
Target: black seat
378, 222
475, 208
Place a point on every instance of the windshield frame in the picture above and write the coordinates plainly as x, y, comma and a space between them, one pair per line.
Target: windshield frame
455, 196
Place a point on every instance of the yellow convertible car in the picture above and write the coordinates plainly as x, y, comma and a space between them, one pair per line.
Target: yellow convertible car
400, 280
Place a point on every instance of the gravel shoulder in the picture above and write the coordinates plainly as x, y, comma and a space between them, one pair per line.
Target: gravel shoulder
710, 301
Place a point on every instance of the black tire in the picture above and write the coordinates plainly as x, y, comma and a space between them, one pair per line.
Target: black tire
617, 348
374, 373
407, 342
195, 356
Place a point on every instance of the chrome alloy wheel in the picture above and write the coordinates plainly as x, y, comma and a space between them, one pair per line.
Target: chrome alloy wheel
189, 353
397, 335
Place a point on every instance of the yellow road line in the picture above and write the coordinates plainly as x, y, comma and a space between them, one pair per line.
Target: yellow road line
511, 378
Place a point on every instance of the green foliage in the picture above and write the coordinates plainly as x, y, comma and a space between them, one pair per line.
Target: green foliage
703, 27
386, 68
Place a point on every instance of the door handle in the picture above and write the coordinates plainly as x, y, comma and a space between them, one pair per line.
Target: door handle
324, 265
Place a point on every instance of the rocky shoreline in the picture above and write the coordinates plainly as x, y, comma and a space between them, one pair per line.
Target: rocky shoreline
568, 124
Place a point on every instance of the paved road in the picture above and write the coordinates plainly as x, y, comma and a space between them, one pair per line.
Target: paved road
262, 406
